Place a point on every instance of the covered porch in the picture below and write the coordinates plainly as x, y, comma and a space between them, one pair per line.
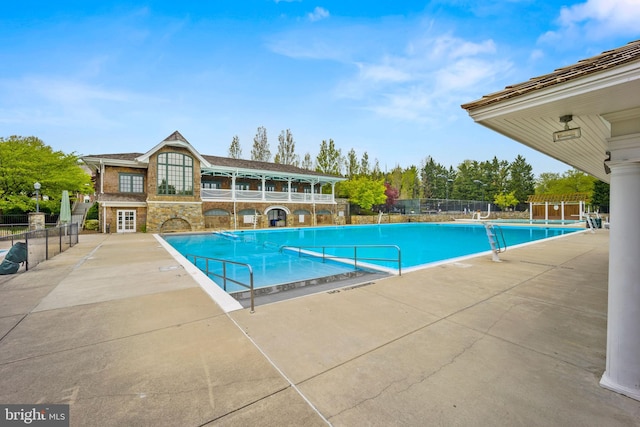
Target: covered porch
588, 116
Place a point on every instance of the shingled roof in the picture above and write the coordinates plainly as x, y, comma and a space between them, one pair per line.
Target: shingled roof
558, 198
265, 166
589, 66
225, 162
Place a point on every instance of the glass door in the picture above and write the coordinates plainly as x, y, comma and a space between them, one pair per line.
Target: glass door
126, 221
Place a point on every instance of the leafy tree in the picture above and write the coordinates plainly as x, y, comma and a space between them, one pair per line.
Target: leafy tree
545, 182
353, 168
307, 163
392, 195
287, 149
329, 159
376, 173
410, 183
260, 150
235, 151
395, 178
571, 181
26, 160
365, 168
505, 200
365, 192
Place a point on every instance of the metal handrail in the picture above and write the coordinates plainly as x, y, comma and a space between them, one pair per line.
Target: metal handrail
326, 256
224, 273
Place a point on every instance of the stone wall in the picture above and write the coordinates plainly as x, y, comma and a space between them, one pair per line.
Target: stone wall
398, 218
167, 216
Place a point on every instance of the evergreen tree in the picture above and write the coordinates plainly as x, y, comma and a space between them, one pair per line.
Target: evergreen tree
260, 150
600, 198
235, 151
521, 180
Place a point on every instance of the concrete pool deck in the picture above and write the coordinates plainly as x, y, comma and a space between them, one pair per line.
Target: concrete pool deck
119, 330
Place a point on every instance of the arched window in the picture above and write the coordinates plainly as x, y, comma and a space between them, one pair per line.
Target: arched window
175, 174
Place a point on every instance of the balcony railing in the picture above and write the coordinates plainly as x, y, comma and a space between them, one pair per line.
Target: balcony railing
269, 196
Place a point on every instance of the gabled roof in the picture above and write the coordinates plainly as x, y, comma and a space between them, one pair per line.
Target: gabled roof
173, 140
208, 163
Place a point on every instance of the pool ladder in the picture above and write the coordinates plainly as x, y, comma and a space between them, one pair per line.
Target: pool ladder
496, 241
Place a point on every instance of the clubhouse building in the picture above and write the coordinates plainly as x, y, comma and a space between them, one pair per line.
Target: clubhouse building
172, 187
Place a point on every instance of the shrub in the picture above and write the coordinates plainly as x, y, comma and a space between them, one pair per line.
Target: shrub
92, 213
91, 224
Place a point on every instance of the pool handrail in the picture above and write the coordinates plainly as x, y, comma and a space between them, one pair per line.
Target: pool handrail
326, 256
224, 273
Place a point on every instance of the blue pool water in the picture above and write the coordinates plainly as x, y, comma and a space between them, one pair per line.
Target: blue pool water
420, 244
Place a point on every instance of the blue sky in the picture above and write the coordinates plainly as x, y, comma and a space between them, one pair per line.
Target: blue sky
383, 77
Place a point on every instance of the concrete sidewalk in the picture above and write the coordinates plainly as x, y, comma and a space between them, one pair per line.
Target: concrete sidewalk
119, 330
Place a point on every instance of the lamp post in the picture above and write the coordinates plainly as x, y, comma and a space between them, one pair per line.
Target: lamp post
37, 187
446, 189
477, 181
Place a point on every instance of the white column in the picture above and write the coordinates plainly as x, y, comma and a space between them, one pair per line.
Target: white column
289, 190
233, 186
530, 211
562, 210
264, 182
333, 191
546, 211
622, 373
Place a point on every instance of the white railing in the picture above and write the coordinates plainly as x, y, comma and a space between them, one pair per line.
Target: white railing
269, 196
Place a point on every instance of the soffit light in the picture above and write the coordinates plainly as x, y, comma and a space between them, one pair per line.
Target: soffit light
567, 133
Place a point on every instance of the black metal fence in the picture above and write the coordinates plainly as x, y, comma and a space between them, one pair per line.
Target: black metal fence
19, 223
435, 206
43, 244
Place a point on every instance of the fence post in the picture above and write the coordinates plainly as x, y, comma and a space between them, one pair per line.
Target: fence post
26, 242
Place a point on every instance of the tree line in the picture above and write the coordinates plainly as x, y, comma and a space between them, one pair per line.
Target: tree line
501, 182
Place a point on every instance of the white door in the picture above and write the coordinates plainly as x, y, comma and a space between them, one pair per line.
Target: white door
126, 221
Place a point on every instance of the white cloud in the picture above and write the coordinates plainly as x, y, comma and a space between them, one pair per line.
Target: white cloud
595, 20
318, 14
64, 102
432, 77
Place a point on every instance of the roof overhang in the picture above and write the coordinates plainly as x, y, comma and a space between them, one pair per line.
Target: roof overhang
94, 163
532, 117
272, 175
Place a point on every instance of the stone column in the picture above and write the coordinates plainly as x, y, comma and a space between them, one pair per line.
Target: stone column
622, 373
36, 221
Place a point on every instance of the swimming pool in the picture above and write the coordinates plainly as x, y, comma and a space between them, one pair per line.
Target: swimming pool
274, 262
